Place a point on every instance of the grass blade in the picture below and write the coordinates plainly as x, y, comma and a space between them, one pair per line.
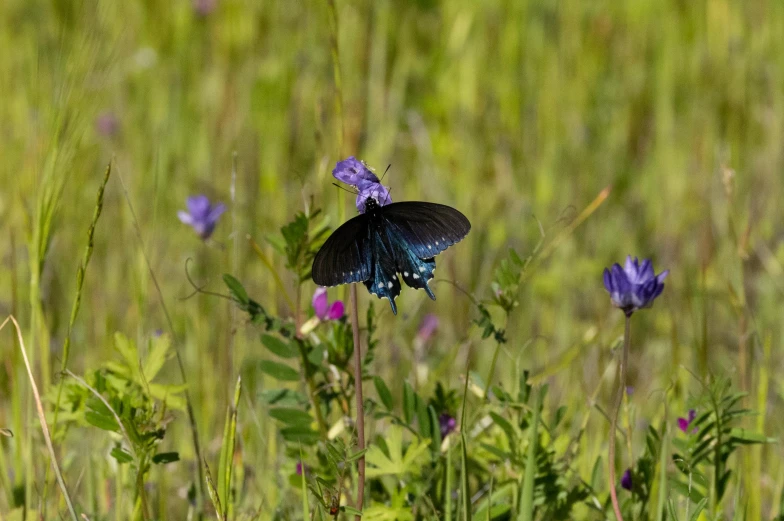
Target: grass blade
526, 512
227, 450
42, 419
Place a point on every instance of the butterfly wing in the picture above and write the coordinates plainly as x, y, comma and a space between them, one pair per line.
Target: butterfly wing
346, 255
426, 229
383, 281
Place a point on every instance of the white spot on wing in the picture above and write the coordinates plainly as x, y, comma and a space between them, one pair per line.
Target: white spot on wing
390, 285
421, 269
429, 247
380, 284
405, 274
416, 276
436, 243
394, 277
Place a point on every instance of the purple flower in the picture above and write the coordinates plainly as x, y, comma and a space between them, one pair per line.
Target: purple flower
301, 467
354, 172
202, 215
685, 423
427, 327
204, 7
107, 124
626, 479
375, 191
325, 311
634, 286
447, 423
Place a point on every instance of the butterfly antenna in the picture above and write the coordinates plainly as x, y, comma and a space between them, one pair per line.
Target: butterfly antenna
344, 188
385, 171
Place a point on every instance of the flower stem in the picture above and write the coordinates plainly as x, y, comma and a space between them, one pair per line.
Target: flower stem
358, 393
614, 420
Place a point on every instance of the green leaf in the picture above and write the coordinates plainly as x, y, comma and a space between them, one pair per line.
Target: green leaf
156, 356
162, 458
398, 462
121, 455
698, 509
283, 397
291, 416
300, 434
350, 510
383, 392
279, 371
102, 421
748, 437
236, 289
278, 347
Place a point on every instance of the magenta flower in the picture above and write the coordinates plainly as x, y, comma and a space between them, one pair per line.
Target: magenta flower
202, 215
447, 424
427, 327
626, 479
685, 423
322, 307
301, 467
633, 286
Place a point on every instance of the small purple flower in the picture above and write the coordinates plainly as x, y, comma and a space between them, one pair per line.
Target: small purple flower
107, 124
301, 467
354, 172
202, 215
204, 7
447, 423
685, 423
427, 327
376, 191
634, 286
626, 480
325, 311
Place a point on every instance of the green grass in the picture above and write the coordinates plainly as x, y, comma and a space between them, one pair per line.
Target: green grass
512, 111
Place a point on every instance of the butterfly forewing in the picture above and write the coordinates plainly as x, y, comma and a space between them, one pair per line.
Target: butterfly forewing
426, 228
346, 255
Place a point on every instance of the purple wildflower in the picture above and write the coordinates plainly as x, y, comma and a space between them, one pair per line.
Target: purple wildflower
107, 124
447, 423
633, 286
202, 215
427, 327
685, 423
301, 467
354, 172
626, 480
204, 7
375, 191
322, 307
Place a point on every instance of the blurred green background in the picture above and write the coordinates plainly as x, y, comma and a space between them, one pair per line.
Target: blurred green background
515, 112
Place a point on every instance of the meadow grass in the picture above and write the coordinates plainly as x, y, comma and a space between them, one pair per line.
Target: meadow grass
519, 113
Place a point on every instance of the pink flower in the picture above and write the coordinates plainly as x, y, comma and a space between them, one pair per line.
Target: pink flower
427, 327
322, 307
684, 423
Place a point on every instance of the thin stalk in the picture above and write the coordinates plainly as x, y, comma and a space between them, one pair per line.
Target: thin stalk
42, 419
175, 342
360, 406
490, 374
614, 420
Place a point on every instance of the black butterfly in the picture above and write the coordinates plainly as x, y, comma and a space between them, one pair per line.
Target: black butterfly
399, 238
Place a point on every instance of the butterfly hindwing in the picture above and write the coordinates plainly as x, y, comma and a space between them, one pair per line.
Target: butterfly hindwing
427, 229
383, 281
346, 255
415, 272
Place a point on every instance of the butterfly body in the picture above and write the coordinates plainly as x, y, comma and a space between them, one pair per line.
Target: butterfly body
387, 243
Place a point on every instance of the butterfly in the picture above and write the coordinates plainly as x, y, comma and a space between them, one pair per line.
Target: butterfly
387, 243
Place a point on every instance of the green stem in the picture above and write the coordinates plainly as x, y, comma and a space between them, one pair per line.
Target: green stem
614, 419
360, 405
